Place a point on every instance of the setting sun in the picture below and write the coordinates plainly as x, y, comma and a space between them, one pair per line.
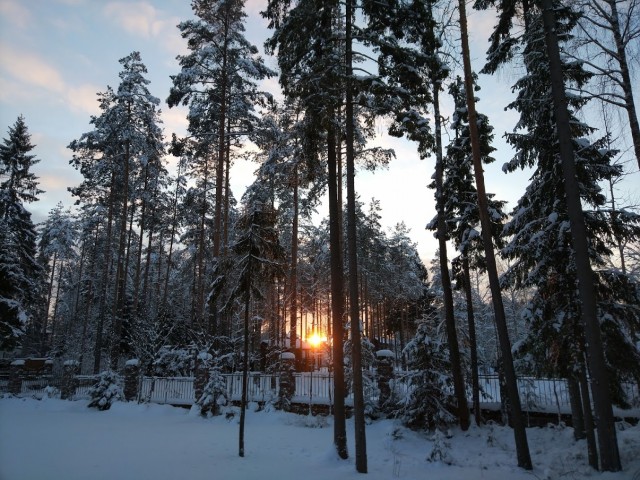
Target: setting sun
315, 340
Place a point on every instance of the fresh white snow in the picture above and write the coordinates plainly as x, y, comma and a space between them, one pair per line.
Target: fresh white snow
52, 439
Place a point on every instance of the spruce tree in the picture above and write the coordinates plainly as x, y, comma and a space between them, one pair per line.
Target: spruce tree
20, 274
544, 246
259, 260
461, 210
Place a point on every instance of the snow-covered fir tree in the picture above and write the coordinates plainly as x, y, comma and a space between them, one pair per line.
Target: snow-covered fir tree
21, 282
429, 403
540, 245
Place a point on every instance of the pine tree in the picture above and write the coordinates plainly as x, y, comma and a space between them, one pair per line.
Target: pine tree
427, 406
111, 158
20, 274
217, 82
57, 253
522, 446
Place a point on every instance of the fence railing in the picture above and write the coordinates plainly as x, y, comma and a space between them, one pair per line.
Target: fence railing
315, 387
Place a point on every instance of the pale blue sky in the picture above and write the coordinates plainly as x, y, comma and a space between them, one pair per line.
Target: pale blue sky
55, 55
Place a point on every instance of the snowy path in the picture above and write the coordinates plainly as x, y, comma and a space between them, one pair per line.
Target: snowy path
59, 440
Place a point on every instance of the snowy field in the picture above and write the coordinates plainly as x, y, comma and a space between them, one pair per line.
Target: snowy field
60, 440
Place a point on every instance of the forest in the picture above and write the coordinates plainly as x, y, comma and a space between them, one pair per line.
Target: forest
162, 265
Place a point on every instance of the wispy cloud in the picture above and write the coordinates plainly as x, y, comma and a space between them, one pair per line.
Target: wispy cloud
31, 70
15, 12
41, 78
143, 20
140, 19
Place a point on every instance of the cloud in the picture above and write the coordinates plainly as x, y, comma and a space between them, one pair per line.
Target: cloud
15, 13
32, 70
84, 98
30, 76
140, 19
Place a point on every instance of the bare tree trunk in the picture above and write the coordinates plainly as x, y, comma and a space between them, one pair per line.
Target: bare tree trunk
97, 350
293, 275
589, 427
358, 395
337, 299
473, 344
43, 340
520, 434
577, 415
121, 276
245, 365
607, 439
172, 235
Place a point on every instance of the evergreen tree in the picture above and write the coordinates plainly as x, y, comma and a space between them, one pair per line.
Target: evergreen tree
428, 405
541, 248
112, 158
259, 257
461, 210
217, 82
20, 274
57, 254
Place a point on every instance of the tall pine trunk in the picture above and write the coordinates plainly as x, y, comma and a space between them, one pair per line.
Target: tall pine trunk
358, 395
337, 298
121, 274
520, 434
104, 286
293, 275
607, 439
245, 362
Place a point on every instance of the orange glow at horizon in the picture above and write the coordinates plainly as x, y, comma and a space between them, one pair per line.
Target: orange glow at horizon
315, 340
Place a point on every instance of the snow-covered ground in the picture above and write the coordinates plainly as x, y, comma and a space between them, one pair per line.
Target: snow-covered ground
52, 439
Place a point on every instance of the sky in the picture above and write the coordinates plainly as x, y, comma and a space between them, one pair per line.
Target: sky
56, 55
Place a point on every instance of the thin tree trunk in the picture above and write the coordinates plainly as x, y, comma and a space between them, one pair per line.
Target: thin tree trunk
293, 275
577, 415
450, 322
245, 364
352, 243
520, 434
121, 276
97, 350
43, 340
143, 212
589, 427
473, 344
172, 236
337, 299
607, 439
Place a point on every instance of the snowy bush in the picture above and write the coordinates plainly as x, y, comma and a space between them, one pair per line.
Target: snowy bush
214, 394
441, 448
50, 392
106, 391
429, 400
173, 362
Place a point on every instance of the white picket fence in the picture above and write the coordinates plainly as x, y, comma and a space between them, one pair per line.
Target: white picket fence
536, 394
